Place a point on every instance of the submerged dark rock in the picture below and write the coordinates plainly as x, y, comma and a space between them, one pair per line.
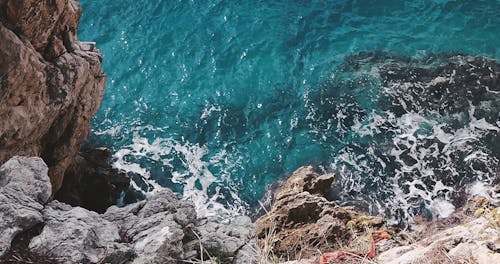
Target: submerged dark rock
409, 131
443, 83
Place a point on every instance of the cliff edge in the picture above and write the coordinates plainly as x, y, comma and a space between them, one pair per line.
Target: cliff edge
50, 83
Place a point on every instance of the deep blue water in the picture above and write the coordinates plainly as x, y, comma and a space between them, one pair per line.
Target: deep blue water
220, 99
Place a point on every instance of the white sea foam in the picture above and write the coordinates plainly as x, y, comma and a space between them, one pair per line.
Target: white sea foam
426, 162
441, 208
193, 171
112, 131
421, 159
480, 189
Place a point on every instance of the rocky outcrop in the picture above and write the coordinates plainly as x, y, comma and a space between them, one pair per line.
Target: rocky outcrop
302, 221
470, 235
156, 228
227, 240
151, 231
476, 241
24, 187
161, 229
76, 235
50, 83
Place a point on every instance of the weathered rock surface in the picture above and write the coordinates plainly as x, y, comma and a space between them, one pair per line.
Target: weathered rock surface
156, 228
151, 231
50, 84
302, 220
229, 240
248, 254
161, 229
477, 241
471, 235
77, 235
24, 187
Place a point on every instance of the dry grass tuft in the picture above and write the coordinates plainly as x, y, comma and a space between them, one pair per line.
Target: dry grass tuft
265, 246
440, 256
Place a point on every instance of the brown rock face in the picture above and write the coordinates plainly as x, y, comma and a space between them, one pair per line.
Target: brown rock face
302, 221
50, 84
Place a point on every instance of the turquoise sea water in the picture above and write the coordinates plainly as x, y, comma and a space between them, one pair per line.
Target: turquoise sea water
220, 99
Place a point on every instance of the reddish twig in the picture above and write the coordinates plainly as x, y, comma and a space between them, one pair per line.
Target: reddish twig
343, 254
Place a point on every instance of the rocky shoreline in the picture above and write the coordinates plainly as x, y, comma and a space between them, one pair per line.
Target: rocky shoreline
161, 229
301, 219
301, 225
56, 200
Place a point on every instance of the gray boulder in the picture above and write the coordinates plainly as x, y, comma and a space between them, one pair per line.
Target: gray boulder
225, 239
76, 235
155, 228
248, 254
150, 231
24, 188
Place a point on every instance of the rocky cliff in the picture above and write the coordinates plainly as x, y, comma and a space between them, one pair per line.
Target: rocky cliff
50, 83
301, 225
50, 87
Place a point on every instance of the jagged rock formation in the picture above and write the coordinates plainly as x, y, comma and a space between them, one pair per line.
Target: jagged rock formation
50, 83
302, 220
474, 242
470, 235
148, 232
50, 87
24, 187
161, 229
